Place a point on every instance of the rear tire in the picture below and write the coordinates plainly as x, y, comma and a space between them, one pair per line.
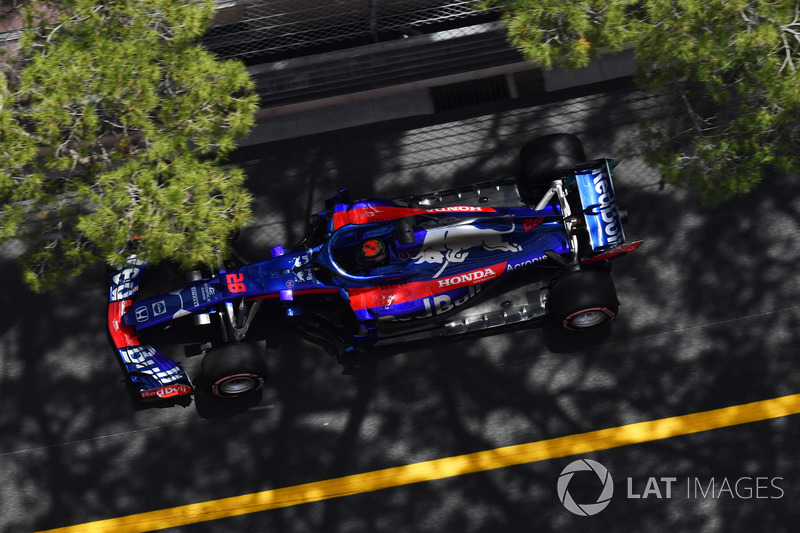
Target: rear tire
583, 300
234, 370
544, 157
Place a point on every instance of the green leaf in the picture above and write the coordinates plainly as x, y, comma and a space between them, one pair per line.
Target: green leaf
102, 133
731, 64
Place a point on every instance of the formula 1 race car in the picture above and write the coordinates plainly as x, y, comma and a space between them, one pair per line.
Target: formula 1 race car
382, 272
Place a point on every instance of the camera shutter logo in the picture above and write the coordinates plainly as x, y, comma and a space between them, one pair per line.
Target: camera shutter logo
585, 509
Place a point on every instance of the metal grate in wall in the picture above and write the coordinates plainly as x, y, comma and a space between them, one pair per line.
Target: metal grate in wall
269, 28
383, 65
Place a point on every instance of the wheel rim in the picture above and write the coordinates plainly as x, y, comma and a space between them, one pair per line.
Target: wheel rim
588, 318
236, 385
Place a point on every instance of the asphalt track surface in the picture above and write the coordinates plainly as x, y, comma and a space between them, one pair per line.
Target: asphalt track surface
708, 323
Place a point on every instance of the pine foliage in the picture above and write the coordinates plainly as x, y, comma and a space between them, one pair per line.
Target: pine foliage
731, 65
113, 122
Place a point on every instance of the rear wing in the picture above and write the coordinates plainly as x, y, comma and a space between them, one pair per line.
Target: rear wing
599, 201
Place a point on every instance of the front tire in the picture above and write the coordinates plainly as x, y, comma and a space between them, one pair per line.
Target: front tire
234, 370
583, 300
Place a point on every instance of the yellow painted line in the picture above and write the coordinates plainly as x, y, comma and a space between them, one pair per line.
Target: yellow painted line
447, 467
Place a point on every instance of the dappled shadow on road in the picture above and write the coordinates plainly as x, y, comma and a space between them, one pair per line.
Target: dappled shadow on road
56, 388
707, 320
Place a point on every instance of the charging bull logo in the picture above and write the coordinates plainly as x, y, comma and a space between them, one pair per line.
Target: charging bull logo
452, 245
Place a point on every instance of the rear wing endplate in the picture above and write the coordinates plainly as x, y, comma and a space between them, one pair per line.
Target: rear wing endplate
599, 201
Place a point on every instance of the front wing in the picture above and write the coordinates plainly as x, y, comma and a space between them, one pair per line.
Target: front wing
151, 374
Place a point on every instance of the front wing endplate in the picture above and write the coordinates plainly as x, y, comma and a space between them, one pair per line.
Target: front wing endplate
151, 374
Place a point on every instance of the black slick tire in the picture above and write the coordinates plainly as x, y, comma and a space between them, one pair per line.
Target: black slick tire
583, 300
234, 370
543, 158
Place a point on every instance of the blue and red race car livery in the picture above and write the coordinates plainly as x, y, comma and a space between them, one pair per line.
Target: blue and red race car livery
437, 264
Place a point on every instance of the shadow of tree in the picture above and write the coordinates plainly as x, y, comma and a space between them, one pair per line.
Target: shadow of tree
707, 321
